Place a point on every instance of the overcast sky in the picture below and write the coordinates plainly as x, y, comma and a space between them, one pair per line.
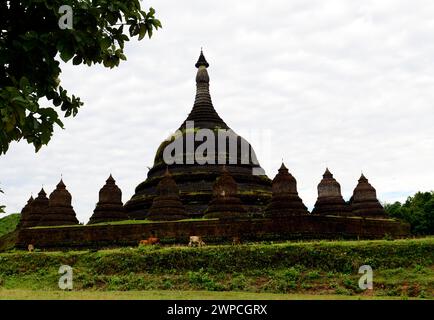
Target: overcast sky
343, 84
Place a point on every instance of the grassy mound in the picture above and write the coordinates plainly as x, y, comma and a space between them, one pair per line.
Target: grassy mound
401, 268
9, 223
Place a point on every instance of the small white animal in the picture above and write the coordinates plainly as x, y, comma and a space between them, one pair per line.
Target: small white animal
30, 248
196, 240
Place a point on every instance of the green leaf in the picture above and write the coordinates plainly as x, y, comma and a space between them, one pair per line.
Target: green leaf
142, 31
19, 99
105, 43
66, 55
24, 82
77, 60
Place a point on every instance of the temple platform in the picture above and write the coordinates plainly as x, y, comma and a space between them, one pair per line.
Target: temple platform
213, 231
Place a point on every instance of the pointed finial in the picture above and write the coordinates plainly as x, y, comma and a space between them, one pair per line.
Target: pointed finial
110, 179
42, 192
61, 185
201, 61
283, 167
327, 173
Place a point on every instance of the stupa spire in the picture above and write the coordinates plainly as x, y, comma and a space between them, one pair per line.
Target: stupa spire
203, 113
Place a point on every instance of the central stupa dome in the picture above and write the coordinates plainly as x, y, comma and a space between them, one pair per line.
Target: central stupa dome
195, 156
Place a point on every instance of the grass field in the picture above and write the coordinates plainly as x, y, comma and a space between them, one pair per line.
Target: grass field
289, 270
9, 223
171, 295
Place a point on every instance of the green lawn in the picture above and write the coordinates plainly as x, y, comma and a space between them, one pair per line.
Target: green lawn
9, 223
169, 295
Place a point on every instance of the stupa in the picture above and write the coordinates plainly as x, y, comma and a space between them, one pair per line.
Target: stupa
330, 201
167, 204
109, 206
225, 202
195, 178
364, 200
25, 214
38, 208
285, 200
60, 211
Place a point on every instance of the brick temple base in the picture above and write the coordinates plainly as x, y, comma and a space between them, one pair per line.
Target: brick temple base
213, 231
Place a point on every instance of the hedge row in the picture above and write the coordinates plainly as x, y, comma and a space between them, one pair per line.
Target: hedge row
339, 256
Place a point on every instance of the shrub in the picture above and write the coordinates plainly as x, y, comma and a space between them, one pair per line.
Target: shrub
313, 275
202, 280
238, 282
292, 274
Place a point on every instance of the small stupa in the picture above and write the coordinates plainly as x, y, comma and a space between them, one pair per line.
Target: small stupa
167, 205
225, 202
330, 201
109, 206
36, 209
25, 214
285, 200
60, 211
364, 201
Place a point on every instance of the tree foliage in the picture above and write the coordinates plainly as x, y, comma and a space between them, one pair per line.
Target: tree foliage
418, 211
32, 44
2, 208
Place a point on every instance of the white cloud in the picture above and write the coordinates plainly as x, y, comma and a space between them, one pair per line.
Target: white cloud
341, 84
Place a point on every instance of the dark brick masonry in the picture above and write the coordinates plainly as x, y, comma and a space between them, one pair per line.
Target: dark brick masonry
213, 231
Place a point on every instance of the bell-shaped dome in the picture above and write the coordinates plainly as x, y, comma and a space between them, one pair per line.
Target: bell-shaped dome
60, 211
329, 187
196, 152
285, 200
167, 186
364, 201
167, 204
364, 190
60, 196
38, 208
330, 201
225, 203
109, 207
284, 182
110, 192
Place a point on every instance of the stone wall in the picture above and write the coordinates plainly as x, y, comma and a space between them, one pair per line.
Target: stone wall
213, 231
